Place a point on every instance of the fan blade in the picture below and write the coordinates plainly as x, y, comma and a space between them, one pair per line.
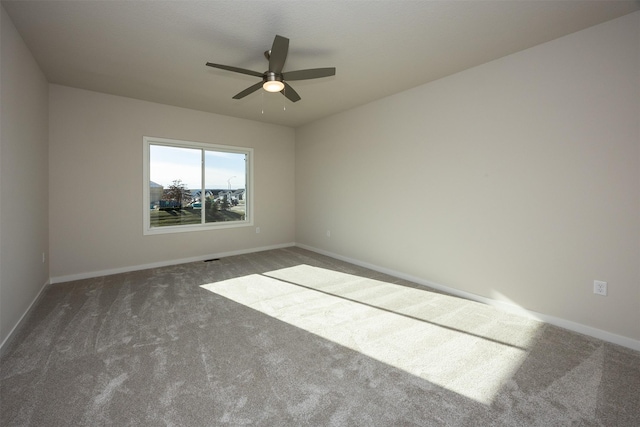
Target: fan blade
235, 69
291, 94
248, 90
278, 54
314, 73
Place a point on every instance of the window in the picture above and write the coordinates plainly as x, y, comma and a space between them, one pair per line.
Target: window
190, 186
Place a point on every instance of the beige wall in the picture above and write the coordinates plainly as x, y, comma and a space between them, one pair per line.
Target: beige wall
23, 178
518, 180
96, 183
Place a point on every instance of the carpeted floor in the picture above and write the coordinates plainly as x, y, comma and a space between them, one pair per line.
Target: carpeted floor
292, 338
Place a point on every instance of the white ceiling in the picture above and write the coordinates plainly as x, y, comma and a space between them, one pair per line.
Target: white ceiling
157, 50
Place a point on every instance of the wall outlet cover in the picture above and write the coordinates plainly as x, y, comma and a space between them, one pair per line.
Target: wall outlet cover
600, 287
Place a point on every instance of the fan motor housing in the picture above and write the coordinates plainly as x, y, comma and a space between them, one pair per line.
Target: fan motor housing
270, 76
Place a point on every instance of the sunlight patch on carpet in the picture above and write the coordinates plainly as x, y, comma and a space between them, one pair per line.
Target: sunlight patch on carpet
466, 347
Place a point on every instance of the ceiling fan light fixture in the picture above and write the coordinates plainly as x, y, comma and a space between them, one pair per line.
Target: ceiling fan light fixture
273, 78
273, 86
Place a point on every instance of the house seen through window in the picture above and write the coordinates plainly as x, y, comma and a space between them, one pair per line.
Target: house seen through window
192, 186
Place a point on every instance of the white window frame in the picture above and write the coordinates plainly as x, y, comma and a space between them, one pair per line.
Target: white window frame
249, 210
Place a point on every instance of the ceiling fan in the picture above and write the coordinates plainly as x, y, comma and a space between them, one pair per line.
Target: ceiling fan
274, 80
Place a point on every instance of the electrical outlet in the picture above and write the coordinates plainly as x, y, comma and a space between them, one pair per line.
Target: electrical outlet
600, 288
257, 230
328, 233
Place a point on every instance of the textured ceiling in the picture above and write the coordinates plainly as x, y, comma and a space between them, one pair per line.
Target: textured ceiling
157, 50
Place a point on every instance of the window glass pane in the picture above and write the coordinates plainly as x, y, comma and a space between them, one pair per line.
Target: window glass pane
225, 184
174, 175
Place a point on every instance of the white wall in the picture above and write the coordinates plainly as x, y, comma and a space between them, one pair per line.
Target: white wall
23, 178
96, 183
518, 180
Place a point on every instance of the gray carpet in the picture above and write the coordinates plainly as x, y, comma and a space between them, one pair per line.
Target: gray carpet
292, 338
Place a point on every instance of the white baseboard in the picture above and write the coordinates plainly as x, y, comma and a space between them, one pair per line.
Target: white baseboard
108, 272
23, 317
503, 305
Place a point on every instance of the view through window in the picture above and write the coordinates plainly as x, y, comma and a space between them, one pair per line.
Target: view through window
191, 186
